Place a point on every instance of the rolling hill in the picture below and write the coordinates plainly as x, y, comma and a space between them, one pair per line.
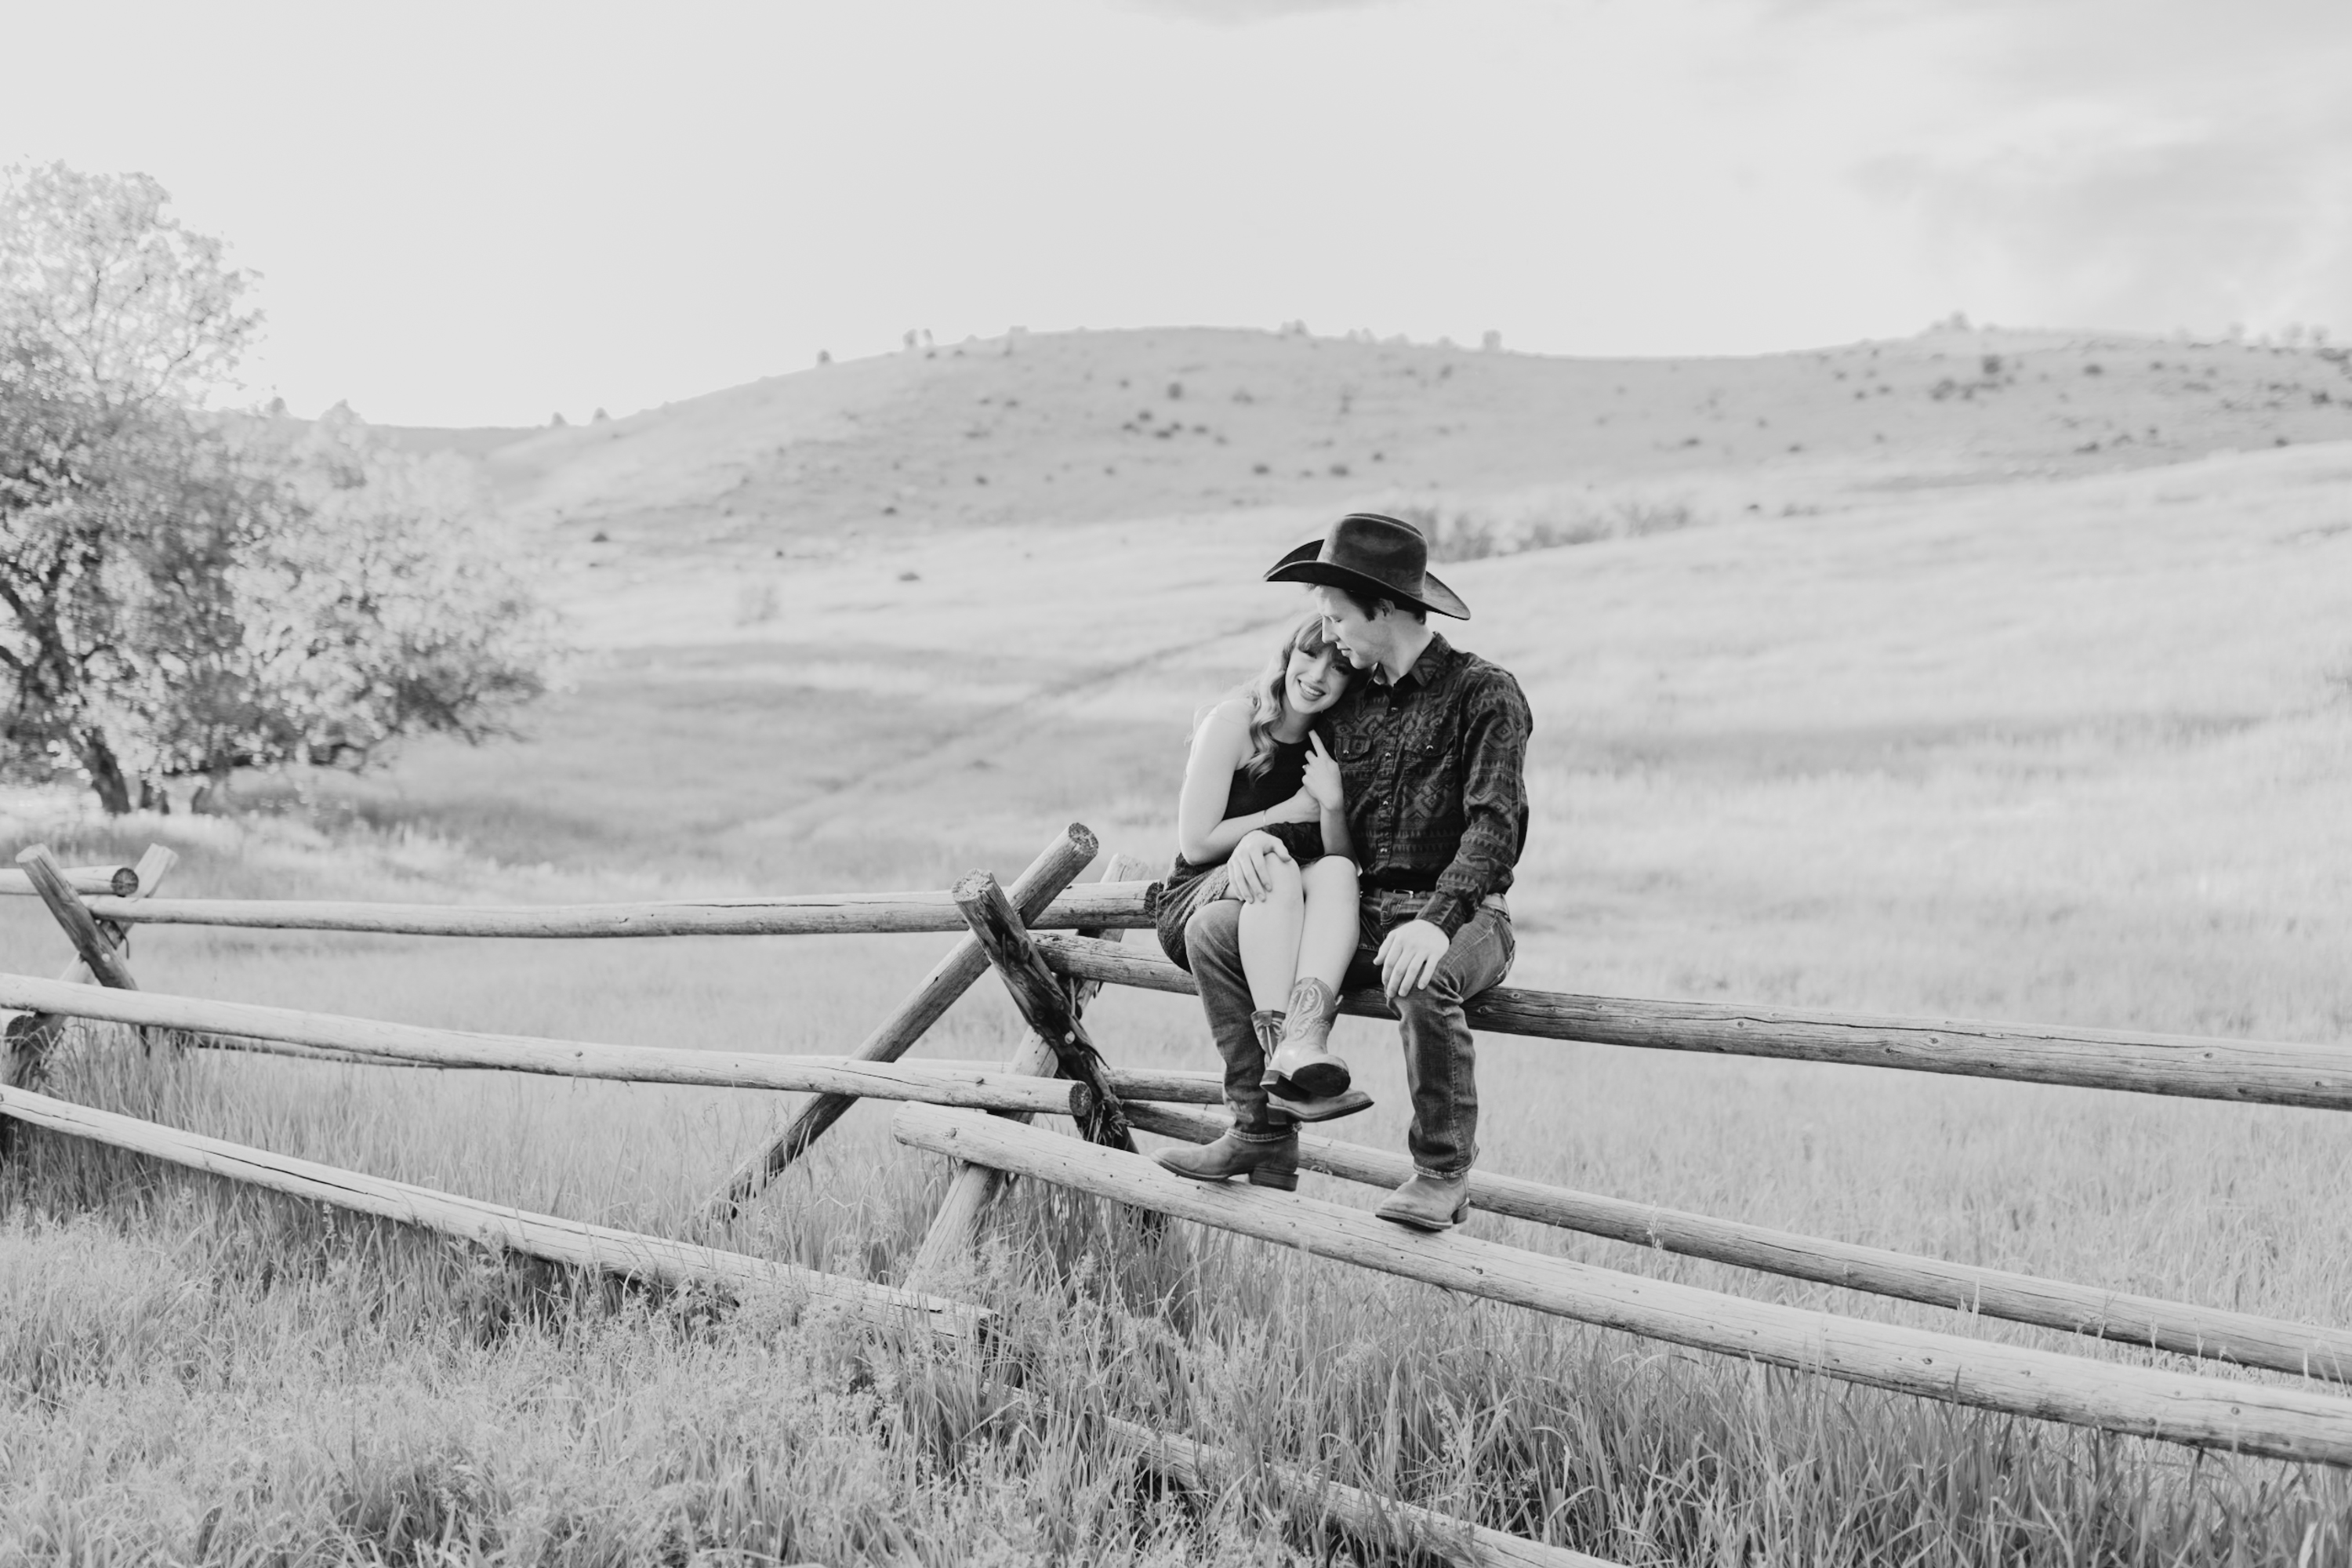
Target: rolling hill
1106, 426
788, 685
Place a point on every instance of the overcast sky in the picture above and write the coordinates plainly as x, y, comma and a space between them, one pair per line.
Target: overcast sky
484, 214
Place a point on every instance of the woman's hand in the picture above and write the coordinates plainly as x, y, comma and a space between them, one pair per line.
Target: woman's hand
1323, 778
1300, 807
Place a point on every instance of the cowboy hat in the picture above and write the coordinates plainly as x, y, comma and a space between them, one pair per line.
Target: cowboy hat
1373, 557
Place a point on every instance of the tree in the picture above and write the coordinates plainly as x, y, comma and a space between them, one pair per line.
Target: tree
185, 591
134, 306
116, 509
375, 608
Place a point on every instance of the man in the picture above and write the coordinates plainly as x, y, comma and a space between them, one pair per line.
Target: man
1432, 746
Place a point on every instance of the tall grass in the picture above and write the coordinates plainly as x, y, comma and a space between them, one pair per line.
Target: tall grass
197, 1371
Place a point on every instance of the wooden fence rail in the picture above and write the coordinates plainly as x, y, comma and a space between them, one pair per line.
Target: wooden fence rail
1026, 935
1171, 1086
1200, 1468
368, 1039
1100, 905
2208, 1332
567, 1241
119, 881
2243, 1417
2250, 1071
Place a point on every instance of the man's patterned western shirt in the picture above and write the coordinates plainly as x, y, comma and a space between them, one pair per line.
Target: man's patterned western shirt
1435, 771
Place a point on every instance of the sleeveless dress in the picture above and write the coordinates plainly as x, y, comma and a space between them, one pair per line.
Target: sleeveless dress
1188, 885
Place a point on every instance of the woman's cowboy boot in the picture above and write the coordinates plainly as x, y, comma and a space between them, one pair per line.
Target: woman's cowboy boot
1302, 1066
1266, 1161
1330, 1108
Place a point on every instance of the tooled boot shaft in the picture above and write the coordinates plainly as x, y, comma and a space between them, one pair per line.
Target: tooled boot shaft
1313, 1006
1304, 1066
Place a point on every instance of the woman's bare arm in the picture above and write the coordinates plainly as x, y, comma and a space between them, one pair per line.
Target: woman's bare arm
1330, 798
1204, 834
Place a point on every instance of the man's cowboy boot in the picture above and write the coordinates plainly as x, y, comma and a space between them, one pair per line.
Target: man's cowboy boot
1430, 1202
1267, 1161
1302, 1066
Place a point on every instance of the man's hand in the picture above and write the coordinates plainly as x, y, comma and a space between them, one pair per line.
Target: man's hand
1245, 868
1410, 957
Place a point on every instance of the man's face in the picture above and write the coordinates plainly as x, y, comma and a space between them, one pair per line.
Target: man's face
1363, 639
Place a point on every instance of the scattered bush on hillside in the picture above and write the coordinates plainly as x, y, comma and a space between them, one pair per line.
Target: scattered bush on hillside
182, 592
757, 603
1473, 531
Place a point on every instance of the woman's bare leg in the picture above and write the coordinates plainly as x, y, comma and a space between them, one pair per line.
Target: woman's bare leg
1314, 1082
1269, 936
1329, 934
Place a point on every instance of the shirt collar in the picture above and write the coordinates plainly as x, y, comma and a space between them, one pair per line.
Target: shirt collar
1424, 669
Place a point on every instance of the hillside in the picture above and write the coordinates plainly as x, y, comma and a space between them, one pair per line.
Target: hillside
786, 683
1093, 427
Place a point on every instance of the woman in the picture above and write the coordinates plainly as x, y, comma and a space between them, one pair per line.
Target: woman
1256, 764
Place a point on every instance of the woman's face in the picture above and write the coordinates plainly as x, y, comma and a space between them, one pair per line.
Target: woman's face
1314, 681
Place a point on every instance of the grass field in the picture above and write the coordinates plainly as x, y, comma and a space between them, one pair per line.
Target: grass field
2070, 751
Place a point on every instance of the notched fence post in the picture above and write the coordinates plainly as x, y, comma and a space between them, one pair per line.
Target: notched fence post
1055, 867
1038, 993
1051, 1007
95, 946
100, 950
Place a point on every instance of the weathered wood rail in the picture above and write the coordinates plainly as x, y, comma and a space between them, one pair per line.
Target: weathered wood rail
1198, 1467
2239, 1416
367, 1038
567, 1241
119, 881
2211, 1333
2198, 1067
1102, 906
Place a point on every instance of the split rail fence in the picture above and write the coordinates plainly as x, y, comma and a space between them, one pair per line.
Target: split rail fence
1054, 944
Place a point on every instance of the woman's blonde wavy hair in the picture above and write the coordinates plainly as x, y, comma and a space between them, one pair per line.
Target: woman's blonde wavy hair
1264, 692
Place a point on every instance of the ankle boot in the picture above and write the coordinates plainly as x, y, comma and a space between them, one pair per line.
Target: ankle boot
1304, 1058
1267, 1161
1429, 1203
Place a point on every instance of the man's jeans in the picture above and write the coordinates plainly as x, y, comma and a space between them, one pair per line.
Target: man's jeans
1440, 1057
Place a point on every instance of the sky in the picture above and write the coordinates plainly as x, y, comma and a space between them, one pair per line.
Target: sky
469, 213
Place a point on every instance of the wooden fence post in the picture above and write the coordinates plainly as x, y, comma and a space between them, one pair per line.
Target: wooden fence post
1055, 867
955, 1229
1038, 993
29, 1038
96, 947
